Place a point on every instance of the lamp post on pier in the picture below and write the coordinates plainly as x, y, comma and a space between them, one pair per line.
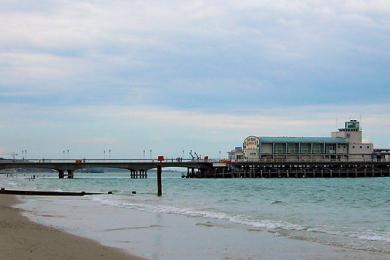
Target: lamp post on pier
14, 156
24, 154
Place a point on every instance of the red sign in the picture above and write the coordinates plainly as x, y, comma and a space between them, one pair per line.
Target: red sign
160, 158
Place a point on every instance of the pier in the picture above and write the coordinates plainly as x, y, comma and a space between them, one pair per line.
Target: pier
275, 169
138, 169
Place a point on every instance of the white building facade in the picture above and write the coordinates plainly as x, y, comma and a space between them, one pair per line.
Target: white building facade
343, 145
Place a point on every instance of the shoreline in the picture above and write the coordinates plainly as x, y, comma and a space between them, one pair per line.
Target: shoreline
170, 236
21, 238
155, 228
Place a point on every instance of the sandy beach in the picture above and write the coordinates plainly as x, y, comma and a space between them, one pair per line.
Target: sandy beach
23, 239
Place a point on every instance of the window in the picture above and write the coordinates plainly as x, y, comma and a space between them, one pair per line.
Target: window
318, 148
330, 148
292, 148
305, 148
280, 148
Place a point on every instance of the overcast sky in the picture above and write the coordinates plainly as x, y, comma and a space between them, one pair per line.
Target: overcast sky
169, 76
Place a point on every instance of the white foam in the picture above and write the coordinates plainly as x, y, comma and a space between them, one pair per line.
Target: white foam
264, 224
363, 235
372, 237
192, 212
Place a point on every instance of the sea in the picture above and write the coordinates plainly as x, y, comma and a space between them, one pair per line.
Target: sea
213, 218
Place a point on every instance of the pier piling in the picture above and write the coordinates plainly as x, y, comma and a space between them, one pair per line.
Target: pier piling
61, 174
70, 174
159, 184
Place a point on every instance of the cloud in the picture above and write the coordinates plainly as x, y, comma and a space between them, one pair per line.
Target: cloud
95, 71
89, 27
36, 66
269, 121
307, 119
127, 130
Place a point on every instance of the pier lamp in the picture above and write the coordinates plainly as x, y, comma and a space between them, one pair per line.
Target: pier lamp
24, 152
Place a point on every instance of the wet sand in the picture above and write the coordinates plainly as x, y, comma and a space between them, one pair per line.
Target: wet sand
22, 239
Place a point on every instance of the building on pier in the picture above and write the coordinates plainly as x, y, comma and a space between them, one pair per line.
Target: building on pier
357, 149
236, 154
344, 145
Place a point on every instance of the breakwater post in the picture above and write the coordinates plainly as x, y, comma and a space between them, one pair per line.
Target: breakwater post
61, 174
159, 184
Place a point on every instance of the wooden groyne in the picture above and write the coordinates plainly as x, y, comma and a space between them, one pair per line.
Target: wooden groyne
47, 193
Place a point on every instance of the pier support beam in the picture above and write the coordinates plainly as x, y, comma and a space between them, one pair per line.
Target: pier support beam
70, 174
61, 174
159, 184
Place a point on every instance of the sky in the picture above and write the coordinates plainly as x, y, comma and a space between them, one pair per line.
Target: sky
173, 76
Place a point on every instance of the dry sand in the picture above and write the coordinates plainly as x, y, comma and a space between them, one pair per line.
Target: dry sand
23, 239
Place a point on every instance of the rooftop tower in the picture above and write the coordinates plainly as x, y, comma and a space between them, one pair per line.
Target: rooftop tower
351, 132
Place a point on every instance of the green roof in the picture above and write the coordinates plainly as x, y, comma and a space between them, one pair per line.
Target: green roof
326, 140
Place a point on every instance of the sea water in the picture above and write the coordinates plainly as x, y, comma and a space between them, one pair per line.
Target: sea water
342, 212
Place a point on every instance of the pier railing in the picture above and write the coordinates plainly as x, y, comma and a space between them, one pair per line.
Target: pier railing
181, 160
